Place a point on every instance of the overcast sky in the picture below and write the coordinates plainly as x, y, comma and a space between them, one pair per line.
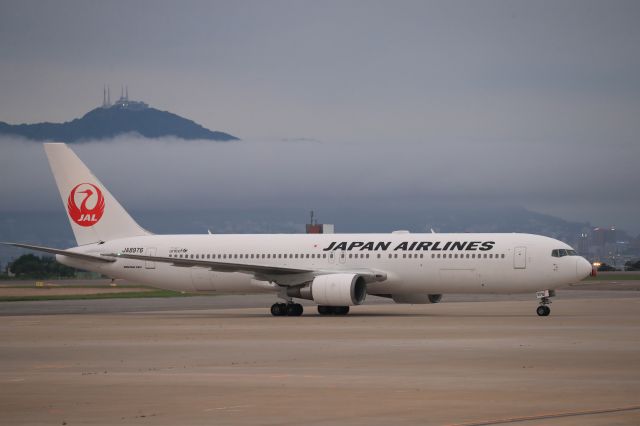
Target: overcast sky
530, 103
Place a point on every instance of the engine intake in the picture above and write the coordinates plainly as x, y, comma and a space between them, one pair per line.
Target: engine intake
333, 290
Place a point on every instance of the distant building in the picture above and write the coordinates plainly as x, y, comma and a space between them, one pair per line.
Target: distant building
313, 227
123, 102
603, 236
582, 244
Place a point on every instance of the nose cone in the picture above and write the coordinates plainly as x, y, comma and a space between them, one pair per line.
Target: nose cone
583, 268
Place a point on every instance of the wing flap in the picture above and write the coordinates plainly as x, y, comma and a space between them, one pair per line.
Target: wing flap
213, 265
82, 256
281, 275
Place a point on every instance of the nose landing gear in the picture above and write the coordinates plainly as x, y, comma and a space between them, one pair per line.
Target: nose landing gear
544, 296
543, 310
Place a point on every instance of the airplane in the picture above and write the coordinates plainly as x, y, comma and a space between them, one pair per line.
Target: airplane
336, 271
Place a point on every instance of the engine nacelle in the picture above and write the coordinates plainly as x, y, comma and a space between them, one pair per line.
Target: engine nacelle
333, 290
416, 298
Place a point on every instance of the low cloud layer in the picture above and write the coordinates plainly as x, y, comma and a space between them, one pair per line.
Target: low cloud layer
174, 175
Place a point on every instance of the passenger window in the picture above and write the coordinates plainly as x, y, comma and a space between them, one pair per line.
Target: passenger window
378, 255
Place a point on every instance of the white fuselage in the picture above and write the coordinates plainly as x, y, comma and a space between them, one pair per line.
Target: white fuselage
412, 263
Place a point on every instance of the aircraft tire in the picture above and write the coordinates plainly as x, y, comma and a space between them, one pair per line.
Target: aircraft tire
278, 309
340, 310
543, 311
294, 309
325, 310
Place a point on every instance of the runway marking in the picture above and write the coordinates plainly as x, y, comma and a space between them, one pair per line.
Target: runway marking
230, 407
548, 416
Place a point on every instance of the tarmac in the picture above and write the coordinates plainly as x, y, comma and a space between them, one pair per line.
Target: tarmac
472, 360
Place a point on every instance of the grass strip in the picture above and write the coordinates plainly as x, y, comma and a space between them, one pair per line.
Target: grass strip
615, 277
123, 295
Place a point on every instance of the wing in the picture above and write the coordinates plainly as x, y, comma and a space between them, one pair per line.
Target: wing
82, 256
280, 275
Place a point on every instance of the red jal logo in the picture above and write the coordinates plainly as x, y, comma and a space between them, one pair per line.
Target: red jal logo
91, 207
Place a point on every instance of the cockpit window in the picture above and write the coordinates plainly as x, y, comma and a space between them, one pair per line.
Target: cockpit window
563, 252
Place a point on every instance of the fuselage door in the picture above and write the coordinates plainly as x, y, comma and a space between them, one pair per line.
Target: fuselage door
151, 251
520, 257
342, 257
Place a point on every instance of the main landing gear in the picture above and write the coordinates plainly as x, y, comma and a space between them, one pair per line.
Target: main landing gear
286, 309
333, 310
544, 296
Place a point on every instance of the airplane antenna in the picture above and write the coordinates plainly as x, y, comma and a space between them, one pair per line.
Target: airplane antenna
432, 231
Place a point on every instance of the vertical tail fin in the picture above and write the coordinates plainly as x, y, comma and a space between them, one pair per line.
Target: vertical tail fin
95, 215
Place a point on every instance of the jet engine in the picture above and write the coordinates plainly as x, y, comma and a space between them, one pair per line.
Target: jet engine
333, 290
416, 298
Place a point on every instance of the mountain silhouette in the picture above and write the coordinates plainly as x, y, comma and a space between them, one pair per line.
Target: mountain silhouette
102, 123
